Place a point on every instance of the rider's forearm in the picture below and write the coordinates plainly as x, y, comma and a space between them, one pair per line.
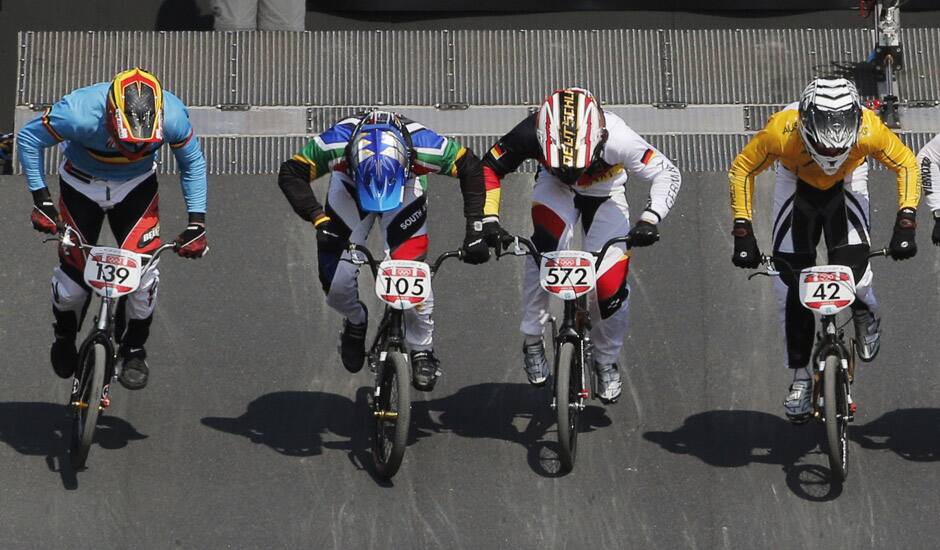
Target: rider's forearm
493, 192
294, 181
663, 192
192, 165
30, 142
470, 172
928, 160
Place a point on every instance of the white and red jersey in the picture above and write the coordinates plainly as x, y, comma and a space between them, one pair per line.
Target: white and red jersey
624, 154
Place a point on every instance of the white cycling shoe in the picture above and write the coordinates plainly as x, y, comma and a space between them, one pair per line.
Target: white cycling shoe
535, 363
608, 382
798, 404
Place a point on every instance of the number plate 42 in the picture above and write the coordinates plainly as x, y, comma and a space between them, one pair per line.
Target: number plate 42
827, 289
112, 272
403, 284
567, 273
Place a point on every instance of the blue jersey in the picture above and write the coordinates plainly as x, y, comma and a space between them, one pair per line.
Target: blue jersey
79, 120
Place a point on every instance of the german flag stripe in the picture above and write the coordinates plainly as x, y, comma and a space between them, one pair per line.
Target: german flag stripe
48, 126
184, 142
648, 156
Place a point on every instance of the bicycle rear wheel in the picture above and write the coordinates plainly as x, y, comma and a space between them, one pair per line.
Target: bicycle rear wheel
391, 410
836, 410
86, 403
567, 389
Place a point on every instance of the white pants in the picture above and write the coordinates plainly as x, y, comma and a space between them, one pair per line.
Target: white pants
404, 230
262, 15
556, 209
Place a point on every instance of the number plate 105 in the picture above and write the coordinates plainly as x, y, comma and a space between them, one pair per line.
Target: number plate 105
567, 273
827, 289
403, 284
112, 272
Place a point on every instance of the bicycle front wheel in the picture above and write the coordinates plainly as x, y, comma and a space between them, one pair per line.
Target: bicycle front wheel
391, 410
567, 390
86, 402
836, 410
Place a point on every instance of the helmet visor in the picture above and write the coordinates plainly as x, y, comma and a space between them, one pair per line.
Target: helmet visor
834, 132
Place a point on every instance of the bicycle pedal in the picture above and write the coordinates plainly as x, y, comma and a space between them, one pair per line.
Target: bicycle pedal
584, 393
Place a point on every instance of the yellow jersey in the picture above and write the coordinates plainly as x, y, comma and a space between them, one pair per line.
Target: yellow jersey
780, 141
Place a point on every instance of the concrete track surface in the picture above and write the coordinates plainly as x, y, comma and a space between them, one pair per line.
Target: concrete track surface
252, 435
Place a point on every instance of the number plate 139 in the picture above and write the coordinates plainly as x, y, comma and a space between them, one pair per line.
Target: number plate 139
112, 272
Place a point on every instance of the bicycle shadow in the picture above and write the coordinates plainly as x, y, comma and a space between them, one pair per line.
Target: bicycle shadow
733, 439
293, 423
518, 413
913, 434
42, 429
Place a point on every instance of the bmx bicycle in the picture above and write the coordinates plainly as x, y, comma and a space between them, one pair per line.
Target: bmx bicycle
401, 285
827, 290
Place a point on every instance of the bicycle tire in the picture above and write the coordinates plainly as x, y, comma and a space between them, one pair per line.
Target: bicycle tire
835, 409
566, 366
85, 413
390, 435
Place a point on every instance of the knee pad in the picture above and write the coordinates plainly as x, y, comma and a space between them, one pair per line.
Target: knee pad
143, 301
612, 289
67, 294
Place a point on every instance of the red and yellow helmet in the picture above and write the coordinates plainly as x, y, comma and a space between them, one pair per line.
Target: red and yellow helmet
135, 108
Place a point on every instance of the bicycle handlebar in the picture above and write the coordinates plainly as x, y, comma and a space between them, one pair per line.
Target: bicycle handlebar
64, 238
771, 263
374, 265
516, 240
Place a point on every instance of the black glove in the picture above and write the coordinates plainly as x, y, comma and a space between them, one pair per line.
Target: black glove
746, 252
903, 245
643, 233
475, 250
935, 236
327, 237
493, 233
192, 242
6, 147
45, 217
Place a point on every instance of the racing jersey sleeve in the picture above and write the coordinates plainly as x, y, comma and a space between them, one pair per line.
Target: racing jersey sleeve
885, 146
510, 151
627, 148
322, 154
178, 132
55, 125
436, 154
928, 159
759, 153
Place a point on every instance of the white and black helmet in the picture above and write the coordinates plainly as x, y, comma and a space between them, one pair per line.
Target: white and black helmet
830, 116
570, 130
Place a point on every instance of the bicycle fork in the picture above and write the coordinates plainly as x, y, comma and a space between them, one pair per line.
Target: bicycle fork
831, 342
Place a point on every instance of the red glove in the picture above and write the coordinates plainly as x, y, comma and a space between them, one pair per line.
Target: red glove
192, 241
44, 216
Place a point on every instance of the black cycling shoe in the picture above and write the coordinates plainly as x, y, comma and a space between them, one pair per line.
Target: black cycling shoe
425, 370
134, 369
64, 356
352, 343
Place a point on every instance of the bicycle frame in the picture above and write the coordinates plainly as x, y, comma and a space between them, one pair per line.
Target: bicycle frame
390, 332
576, 320
103, 331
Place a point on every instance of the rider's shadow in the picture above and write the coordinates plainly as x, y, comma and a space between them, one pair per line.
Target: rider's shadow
42, 429
732, 439
293, 423
518, 413
913, 434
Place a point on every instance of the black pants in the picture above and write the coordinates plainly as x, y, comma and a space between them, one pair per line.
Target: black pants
135, 224
807, 216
